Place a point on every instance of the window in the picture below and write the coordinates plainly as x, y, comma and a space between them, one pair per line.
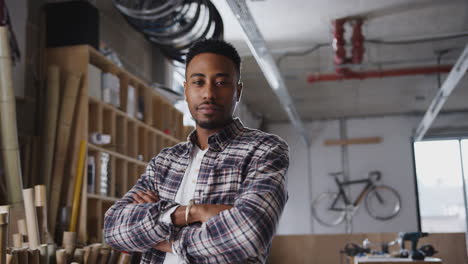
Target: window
439, 173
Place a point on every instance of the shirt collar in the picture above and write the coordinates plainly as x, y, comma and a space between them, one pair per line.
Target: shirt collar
219, 140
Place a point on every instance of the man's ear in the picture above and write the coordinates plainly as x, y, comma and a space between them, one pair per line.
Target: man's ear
185, 90
240, 85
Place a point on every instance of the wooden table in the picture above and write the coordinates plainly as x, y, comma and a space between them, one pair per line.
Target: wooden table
386, 260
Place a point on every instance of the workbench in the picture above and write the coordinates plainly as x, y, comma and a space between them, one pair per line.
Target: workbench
387, 260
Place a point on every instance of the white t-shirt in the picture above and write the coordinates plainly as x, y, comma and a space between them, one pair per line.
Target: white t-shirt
185, 193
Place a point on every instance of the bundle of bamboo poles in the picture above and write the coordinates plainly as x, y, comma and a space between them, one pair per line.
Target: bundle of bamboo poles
32, 244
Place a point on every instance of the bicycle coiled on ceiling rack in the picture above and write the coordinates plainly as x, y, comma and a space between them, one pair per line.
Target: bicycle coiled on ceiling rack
173, 25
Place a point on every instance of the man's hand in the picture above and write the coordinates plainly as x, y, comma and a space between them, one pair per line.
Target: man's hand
150, 197
198, 213
147, 196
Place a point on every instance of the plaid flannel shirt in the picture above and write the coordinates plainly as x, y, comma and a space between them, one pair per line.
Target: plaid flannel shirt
243, 167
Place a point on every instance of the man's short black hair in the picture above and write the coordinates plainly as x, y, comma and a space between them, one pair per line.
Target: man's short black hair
215, 46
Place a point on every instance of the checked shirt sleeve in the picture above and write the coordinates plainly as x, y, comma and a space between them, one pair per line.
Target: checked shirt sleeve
136, 227
245, 231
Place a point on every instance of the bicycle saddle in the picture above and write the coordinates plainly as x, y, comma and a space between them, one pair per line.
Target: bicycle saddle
334, 174
376, 174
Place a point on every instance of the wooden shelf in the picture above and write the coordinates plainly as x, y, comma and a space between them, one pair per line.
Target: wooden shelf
101, 197
139, 122
117, 155
161, 126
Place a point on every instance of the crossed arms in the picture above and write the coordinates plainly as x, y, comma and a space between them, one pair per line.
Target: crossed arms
228, 233
199, 213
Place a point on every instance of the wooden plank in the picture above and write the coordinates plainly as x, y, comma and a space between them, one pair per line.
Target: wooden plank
148, 102
31, 218
142, 143
124, 82
120, 177
112, 178
131, 175
121, 134
72, 84
79, 134
352, 141
95, 117
109, 127
132, 142
50, 127
93, 210
151, 146
102, 197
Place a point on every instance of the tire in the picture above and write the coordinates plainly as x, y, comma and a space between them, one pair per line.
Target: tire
383, 202
322, 213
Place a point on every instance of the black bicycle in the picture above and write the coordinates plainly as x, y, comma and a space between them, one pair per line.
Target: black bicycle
382, 202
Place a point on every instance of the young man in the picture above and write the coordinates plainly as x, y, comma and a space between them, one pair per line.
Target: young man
216, 198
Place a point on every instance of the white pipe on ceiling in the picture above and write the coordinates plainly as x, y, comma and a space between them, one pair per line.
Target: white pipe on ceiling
267, 64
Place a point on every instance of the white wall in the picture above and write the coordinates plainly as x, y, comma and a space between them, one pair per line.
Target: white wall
393, 157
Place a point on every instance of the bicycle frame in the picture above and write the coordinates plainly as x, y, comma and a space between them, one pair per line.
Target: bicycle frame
341, 192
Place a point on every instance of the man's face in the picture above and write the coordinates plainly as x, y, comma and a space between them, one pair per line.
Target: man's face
211, 89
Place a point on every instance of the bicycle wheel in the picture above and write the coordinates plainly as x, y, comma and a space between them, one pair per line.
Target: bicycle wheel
383, 202
321, 210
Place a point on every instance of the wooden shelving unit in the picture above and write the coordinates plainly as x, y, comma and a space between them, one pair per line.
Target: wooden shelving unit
133, 141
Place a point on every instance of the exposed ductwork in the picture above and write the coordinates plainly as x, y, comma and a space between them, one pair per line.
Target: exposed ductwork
357, 41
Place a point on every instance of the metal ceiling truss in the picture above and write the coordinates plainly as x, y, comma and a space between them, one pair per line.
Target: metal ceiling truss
454, 77
267, 64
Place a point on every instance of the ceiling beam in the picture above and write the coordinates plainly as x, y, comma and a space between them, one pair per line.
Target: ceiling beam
454, 77
267, 64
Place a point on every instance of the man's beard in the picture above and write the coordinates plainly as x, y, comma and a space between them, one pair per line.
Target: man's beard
214, 124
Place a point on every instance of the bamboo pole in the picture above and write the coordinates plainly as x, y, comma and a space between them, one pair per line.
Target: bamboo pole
78, 187
50, 126
17, 240
8, 129
3, 236
61, 256
22, 228
22, 254
78, 255
40, 201
72, 84
11, 259
124, 258
94, 254
34, 256
104, 255
69, 242
31, 218
79, 134
12, 256
114, 256
43, 253
51, 249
